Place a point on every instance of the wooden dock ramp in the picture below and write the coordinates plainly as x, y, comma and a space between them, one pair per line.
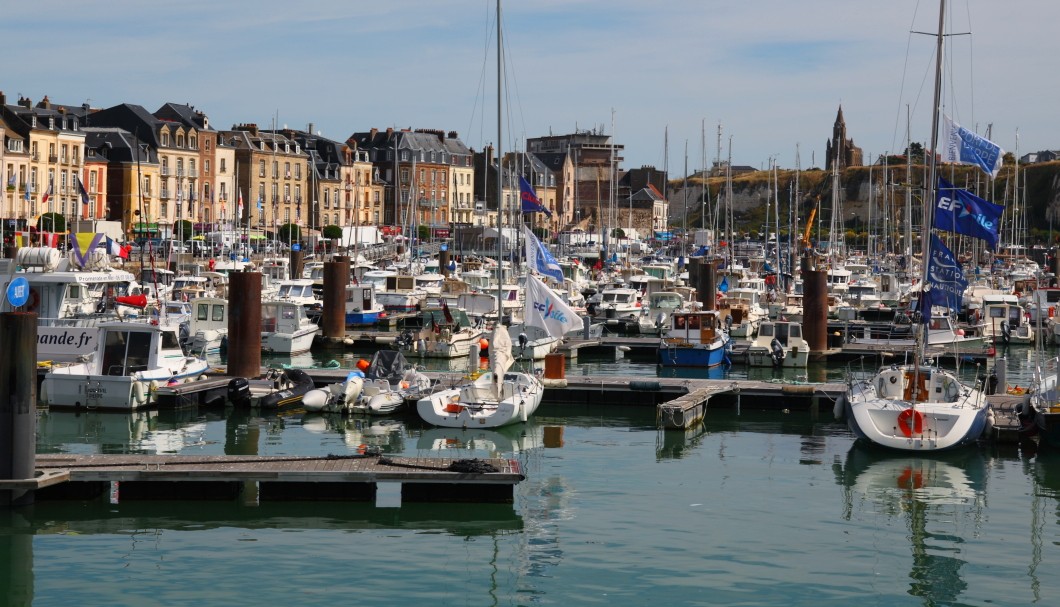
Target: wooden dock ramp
686, 411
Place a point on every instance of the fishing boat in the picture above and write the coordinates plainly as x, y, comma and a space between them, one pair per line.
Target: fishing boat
132, 359
779, 344
362, 309
917, 406
695, 339
208, 326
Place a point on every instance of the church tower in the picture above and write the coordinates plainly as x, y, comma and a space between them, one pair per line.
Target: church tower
840, 148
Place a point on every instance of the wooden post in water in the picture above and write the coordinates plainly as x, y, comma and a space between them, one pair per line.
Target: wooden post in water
244, 324
296, 263
336, 279
707, 285
815, 309
11, 251
443, 260
18, 404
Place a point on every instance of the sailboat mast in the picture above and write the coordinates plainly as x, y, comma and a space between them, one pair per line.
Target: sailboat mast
929, 198
500, 164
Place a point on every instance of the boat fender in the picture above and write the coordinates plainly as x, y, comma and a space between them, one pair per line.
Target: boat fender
202, 377
645, 386
42, 394
988, 429
840, 407
1006, 332
139, 393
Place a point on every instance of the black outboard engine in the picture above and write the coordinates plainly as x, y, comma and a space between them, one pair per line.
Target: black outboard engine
991, 383
728, 322
1006, 332
523, 341
239, 392
776, 352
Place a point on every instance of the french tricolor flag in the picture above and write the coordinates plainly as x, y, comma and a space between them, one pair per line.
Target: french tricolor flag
113, 248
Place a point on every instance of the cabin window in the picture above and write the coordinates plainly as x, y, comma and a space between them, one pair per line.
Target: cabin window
288, 313
140, 348
73, 292
218, 312
693, 322
996, 312
201, 312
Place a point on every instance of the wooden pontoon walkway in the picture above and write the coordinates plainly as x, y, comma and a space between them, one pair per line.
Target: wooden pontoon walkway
280, 478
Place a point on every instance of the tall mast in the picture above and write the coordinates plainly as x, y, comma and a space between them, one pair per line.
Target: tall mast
500, 164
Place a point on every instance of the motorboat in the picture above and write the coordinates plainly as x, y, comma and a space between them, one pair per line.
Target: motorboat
339, 397
742, 311
446, 333
779, 344
278, 389
362, 309
1004, 320
132, 359
695, 339
285, 328
208, 325
389, 380
656, 315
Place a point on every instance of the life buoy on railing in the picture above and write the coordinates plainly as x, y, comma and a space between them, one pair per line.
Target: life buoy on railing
911, 421
34, 300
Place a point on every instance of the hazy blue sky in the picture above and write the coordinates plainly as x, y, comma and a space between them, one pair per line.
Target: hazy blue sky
772, 72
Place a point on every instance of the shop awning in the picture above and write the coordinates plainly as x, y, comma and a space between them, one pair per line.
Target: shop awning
145, 228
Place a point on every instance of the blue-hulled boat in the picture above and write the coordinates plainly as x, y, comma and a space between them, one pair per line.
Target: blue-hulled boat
695, 339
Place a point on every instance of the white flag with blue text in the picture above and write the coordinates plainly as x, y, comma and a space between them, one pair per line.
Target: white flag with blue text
539, 259
545, 309
965, 147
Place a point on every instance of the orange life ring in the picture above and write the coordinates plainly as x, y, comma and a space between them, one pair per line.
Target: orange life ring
34, 300
917, 418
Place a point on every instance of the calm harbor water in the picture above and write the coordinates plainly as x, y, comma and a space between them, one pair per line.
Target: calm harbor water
751, 509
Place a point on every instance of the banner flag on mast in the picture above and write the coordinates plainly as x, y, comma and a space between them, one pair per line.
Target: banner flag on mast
539, 259
965, 147
945, 284
531, 203
544, 309
962, 212
81, 189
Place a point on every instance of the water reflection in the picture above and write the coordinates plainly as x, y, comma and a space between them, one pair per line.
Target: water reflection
937, 497
144, 431
387, 434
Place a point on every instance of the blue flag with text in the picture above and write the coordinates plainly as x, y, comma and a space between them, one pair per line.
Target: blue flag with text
965, 147
539, 259
960, 211
945, 283
531, 203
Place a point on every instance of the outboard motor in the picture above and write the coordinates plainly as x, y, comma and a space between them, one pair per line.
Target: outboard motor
523, 341
991, 383
776, 352
1006, 332
239, 392
660, 319
728, 322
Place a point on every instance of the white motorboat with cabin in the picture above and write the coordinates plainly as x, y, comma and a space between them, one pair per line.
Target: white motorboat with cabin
131, 360
779, 344
285, 328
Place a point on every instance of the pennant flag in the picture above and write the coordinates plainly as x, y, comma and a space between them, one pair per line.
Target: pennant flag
531, 203
25, 195
545, 309
47, 194
82, 190
261, 203
191, 201
960, 211
445, 311
539, 259
116, 249
49, 239
82, 244
945, 283
965, 147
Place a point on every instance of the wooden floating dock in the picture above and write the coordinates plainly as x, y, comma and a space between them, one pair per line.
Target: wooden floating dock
270, 478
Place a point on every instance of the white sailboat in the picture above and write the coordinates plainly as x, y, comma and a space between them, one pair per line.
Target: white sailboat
917, 407
494, 398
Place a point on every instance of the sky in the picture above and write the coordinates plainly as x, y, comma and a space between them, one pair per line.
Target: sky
771, 73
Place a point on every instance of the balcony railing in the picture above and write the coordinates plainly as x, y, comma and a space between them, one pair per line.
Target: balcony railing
193, 173
164, 194
53, 158
165, 171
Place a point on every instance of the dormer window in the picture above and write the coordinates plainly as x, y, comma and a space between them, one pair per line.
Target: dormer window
193, 142
287, 148
51, 122
165, 140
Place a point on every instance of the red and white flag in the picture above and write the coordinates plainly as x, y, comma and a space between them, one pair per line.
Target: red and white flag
48, 193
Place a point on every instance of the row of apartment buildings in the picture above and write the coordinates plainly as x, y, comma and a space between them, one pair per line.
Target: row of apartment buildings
150, 170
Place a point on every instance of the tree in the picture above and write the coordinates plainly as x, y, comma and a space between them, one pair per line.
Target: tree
423, 233
51, 222
290, 232
332, 232
915, 151
618, 233
183, 230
